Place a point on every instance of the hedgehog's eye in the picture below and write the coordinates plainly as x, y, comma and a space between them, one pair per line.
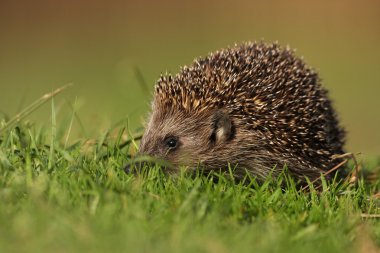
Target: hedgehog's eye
171, 142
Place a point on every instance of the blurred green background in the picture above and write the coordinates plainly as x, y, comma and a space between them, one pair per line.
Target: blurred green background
105, 47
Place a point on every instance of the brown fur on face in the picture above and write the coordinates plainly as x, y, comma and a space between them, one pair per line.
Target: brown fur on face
254, 106
198, 137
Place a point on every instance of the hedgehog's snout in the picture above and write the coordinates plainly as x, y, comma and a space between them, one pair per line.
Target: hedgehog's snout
140, 160
136, 166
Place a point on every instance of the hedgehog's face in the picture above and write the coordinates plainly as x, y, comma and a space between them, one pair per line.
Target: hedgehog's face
185, 139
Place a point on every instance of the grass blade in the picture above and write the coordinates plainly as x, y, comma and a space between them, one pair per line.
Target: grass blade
33, 107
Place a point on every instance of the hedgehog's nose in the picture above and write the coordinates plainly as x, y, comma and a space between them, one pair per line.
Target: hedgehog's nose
128, 168
134, 167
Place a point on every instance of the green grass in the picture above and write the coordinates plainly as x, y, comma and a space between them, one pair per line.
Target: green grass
59, 197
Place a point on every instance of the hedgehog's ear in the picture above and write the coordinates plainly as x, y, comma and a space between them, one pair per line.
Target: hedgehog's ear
222, 127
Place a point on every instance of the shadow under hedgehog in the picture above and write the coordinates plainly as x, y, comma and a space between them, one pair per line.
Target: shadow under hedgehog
255, 106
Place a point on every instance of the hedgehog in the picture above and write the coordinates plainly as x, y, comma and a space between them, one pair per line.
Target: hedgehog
256, 107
